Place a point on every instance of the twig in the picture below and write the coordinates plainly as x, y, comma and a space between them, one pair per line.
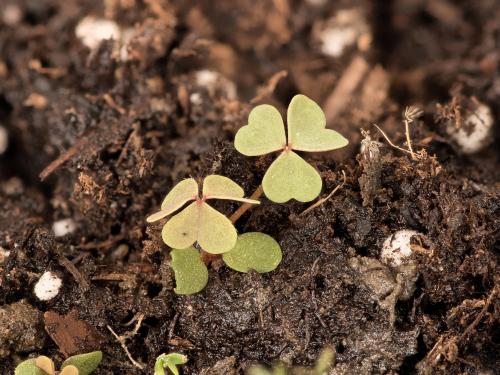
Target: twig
246, 206
389, 141
342, 94
80, 279
122, 339
323, 200
411, 113
63, 158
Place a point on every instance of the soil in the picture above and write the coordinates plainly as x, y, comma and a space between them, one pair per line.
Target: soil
100, 135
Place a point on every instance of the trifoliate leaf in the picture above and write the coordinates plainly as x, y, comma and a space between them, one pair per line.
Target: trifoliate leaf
191, 274
85, 363
171, 361
180, 194
199, 222
264, 133
28, 367
306, 127
254, 250
291, 177
220, 187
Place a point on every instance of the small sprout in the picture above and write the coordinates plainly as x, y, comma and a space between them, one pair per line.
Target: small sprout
171, 361
199, 222
254, 250
289, 176
83, 364
191, 274
323, 364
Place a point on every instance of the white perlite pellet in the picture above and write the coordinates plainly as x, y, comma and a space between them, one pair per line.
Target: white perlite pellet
91, 31
397, 247
342, 31
476, 131
48, 286
63, 227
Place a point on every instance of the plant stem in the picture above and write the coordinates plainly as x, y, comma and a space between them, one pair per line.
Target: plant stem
408, 139
246, 206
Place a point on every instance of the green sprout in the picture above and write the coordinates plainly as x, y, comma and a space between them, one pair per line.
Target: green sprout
171, 361
289, 176
199, 222
323, 364
82, 364
253, 250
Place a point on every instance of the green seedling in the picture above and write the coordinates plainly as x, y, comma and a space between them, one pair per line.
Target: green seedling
323, 364
289, 176
170, 361
199, 222
82, 364
253, 250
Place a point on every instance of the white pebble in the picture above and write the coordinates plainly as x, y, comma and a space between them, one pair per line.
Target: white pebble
63, 227
4, 140
475, 132
214, 81
91, 31
48, 286
342, 31
397, 247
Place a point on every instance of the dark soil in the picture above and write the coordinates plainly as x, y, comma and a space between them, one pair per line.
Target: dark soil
101, 140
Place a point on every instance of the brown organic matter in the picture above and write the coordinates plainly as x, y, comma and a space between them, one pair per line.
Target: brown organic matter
100, 136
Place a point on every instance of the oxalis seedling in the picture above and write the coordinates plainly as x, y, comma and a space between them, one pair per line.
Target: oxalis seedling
199, 222
170, 361
289, 176
214, 232
82, 364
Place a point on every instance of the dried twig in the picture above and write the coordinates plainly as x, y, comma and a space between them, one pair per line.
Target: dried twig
123, 338
323, 200
389, 141
63, 158
411, 113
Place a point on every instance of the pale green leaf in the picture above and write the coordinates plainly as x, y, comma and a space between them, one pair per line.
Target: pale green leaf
221, 187
70, 370
183, 192
306, 127
181, 230
264, 133
28, 367
199, 222
254, 250
171, 361
325, 361
291, 177
85, 363
216, 233
191, 274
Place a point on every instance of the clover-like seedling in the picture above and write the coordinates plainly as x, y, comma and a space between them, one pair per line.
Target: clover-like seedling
170, 361
253, 250
289, 176
323, 364
199, 222
82, 364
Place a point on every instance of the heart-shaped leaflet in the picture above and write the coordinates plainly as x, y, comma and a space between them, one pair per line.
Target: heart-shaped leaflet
306, 127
